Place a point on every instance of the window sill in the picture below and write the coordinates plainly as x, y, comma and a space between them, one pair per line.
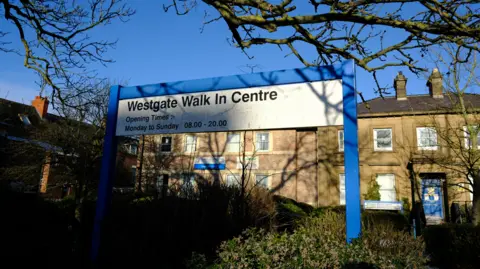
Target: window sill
427, 149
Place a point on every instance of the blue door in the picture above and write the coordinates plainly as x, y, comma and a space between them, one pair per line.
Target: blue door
432, 199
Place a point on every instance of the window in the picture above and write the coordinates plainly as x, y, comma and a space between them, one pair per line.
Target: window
233, 142
341, 187
341, 141
166, 144
190, 143
468, 141
132, 149
233, 180
387, 187
262, 140
25, 119
426, 138
262, 181
134, 174
382, 139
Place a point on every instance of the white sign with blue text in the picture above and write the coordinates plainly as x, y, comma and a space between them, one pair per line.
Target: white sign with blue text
209, 163
307, 104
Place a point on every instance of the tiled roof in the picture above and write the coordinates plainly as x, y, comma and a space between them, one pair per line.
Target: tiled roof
415, 104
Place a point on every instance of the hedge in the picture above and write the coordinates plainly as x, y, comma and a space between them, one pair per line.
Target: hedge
289, 212
318, 242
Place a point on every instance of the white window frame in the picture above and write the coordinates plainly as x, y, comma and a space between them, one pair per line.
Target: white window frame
264, 176
419, 131
25, 119
384, 189
161, 144
233, 146
467, 138
134, 171
341, 140
257, 148
130, 149
341, 188
193, 146
375, 146
232, 179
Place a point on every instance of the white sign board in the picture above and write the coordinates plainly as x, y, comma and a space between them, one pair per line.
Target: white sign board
249, 163
209, 163
382, 205
271, 107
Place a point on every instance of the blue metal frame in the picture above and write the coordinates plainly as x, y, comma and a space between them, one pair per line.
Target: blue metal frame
344, 71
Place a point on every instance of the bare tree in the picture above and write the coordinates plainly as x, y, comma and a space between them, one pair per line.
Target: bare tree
56, 39
79, 132
376, 34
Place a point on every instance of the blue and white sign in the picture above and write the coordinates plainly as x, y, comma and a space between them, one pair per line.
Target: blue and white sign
306, 104
303, 97
209, 163
383, 205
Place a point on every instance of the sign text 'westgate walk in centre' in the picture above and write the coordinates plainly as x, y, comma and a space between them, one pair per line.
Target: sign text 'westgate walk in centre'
282, 106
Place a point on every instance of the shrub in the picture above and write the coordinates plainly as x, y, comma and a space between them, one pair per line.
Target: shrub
370, 217
320, 211
373, 192
406, 204
453, 246
397, 220
289, 212
165, 231
319, 242
33, 230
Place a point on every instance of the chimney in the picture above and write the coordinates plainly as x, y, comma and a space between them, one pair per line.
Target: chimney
400, 85
41, 105
434, 84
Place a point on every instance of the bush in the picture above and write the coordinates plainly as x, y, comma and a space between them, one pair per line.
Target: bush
453, 246
289, 212
373, 192
164, 232
370, 217
319, 242
33, 232
378, 217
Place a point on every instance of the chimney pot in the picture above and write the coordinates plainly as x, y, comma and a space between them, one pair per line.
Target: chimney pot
435, 84
400, 85
41, 105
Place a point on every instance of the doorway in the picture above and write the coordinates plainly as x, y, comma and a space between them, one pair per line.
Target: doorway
432, 197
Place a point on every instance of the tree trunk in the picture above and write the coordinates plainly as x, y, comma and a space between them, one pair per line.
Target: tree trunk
476, 200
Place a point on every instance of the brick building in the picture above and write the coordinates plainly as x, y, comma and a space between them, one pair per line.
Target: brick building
396, 137
32, 165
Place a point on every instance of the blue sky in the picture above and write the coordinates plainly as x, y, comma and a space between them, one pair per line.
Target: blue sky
155, 46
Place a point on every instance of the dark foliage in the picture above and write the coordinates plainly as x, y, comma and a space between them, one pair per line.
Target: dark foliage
164, 232
453, 246
34, 232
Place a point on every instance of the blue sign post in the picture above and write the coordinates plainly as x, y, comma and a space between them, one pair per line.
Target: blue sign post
344, 72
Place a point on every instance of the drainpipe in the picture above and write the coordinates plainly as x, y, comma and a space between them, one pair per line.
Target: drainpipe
413, 210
